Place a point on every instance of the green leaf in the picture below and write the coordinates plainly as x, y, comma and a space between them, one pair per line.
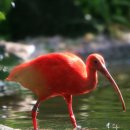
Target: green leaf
120, 19
2, 16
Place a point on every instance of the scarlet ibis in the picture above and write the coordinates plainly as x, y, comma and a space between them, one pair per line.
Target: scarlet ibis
61, 74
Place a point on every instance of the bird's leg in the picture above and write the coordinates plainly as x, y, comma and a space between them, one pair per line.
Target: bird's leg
68, 99
34, 114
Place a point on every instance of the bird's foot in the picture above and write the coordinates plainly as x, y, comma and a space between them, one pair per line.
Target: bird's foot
36, 129
78, 127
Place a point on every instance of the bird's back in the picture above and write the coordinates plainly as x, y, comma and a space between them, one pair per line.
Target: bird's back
57, 63
62, 72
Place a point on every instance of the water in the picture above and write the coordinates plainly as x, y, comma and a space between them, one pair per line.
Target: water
99, 110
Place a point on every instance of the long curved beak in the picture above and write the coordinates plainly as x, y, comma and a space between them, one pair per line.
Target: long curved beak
104, 71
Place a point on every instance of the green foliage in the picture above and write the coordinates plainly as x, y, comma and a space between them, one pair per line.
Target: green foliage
2, 16
4, 8
5, 5
107, 12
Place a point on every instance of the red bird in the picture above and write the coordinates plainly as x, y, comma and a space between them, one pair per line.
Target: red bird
61, 74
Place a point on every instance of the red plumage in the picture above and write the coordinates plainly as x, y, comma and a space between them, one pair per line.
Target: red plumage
61, 74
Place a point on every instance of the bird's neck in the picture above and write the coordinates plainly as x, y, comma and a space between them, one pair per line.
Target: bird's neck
92, 78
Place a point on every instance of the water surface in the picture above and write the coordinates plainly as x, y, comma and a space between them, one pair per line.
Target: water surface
98, 110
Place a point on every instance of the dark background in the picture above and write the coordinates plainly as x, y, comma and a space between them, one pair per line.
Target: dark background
69, 18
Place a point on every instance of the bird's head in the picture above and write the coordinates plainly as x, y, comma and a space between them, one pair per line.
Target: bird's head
97, 63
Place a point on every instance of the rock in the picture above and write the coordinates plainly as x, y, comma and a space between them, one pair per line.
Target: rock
21, 50
125, 37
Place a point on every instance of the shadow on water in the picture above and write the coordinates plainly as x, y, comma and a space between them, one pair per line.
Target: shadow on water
99, 110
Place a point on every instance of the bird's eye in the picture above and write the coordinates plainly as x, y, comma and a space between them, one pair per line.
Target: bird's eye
95, 62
